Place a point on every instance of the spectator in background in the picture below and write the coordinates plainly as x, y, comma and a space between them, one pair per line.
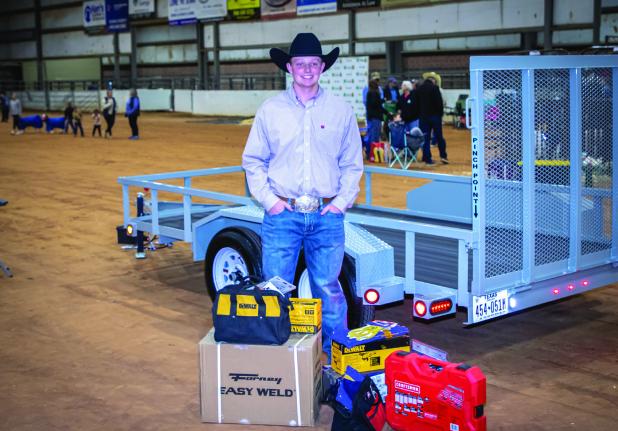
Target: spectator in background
96, 121
431, 109
15, 111
408, 106
68, 117
375, 113
375, 76
109, 112
391, 92
77, 122
4, 106
132, 111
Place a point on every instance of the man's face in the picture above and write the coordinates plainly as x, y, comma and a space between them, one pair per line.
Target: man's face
306, 71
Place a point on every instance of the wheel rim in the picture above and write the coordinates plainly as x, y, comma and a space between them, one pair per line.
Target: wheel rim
226, 267
304, 287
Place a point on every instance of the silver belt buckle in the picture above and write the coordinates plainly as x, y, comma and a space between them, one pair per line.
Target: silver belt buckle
306, 204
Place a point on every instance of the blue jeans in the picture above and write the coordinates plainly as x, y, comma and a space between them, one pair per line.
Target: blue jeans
433, 122
323, 240
373, 134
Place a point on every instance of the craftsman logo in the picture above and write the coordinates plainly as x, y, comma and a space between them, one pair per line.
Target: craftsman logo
248, 306
407, 387
254, 377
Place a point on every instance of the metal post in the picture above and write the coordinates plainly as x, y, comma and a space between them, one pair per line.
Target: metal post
140, 253
39, 44
351, 32
478, 183
614, 254
116, 61
216, 48
575, 102
368, 197
186, 206
528, 176
548, 22
201, 61
596, 22
133, 57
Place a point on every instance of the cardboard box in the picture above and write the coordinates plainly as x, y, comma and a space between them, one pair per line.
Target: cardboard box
306, 315
253, 384
365, 349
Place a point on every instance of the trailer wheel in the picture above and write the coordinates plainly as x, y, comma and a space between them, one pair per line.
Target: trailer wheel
232, 253
358, 313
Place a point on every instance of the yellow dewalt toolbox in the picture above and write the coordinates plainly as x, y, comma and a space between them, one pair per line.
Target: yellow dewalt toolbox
306, 315
365, 349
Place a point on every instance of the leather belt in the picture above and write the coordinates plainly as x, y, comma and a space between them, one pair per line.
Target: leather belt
306, 204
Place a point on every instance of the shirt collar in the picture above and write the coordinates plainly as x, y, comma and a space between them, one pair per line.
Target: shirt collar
292, 95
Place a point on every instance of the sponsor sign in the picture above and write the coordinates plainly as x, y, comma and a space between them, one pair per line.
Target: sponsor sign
397, 3
190, 11
94, 13
141, 7
277, 8
353, 4
243, 9
117, 15
310, 7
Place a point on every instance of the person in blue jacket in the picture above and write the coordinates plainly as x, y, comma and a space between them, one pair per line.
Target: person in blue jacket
34, 121
53, 123
132, 111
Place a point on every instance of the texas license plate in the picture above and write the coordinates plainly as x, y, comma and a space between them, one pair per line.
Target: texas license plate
489, 306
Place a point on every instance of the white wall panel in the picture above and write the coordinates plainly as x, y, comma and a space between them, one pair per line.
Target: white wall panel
21, 21
183, 101
209, 31
165, 33
73, 44
228, 103
450, 96
155, 100
162, 8
370, 48
609, 3
573, 12
280, 32
451, 18
609, 26
61, 18
572, 37
167, 54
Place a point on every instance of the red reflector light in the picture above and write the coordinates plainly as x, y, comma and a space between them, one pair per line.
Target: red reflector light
585, 283
571, 286
556, 291
372, 296
420, 308
440, 307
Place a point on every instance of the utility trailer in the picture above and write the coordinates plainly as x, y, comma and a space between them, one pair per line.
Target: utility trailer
535, 222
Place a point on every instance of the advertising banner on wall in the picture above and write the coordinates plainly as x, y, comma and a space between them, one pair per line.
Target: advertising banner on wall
346, 78
396, 3
278, 8
243, 9
94, 14
353, 4
310, 7
190, 11
141, 8
117, 15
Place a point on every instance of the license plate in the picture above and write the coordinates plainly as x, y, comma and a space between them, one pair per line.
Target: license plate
489, 306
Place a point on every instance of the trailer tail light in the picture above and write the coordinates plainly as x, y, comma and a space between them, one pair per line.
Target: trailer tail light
130, 230
420, 308
585, 283
441, 307
556, 291
571, 287
372, 296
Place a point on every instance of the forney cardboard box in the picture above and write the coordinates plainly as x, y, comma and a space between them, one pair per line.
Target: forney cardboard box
269, 385
365, 349
306, 315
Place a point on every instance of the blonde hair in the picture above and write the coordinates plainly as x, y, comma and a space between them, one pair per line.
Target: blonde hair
406, 84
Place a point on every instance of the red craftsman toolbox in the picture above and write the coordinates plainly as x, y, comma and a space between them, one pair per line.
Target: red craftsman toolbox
425, 394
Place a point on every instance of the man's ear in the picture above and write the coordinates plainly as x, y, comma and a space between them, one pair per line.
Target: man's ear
288, 67
323, 66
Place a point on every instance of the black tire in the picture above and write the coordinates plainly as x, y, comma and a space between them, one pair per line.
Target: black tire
359, 314
244, 241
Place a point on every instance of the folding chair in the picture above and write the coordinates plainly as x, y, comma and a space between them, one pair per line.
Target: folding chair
403, 146
414, 141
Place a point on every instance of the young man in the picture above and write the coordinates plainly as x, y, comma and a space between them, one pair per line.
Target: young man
303, 162
15, 111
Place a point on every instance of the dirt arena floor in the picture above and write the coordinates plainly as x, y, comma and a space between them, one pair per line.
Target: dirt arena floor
93, 339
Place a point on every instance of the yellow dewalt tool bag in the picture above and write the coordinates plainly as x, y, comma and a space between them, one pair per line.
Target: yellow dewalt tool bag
245, 314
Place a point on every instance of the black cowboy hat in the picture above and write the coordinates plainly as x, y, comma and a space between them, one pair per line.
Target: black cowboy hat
303, 45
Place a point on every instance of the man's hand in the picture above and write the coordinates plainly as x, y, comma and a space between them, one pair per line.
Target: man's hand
330, 208
279, 207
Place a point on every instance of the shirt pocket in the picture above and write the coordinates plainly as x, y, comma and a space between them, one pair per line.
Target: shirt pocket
328, 140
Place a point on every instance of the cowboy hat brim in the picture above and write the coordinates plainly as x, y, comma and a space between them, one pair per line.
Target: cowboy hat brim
281, 58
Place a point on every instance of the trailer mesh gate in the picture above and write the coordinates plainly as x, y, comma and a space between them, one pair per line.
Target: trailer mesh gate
543, 150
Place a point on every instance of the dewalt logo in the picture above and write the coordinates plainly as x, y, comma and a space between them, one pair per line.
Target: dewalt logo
354, 349
247, 306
